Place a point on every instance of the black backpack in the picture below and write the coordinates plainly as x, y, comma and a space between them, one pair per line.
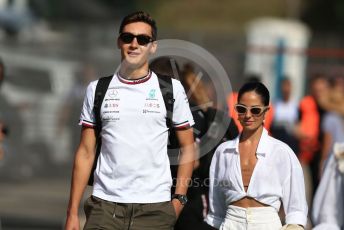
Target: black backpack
165, 84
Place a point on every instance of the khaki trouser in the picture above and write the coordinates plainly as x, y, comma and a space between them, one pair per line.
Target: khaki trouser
101, 214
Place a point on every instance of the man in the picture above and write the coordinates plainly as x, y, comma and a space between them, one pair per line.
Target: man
285, 116
132, 180
205, 116
309, 133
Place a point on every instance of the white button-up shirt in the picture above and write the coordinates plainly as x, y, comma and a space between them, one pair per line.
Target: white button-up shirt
277, 177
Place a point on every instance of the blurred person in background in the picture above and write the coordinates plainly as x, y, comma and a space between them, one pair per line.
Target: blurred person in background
206, 117
2, 72
70, 111
253, 175
132, 179
213, 115
3, 134
328, 204
3, 129
285, 116
335, 102
17, 159
308, 131
195, 213
333, 122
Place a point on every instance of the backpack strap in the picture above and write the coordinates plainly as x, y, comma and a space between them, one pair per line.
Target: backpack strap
166, 88
101, 88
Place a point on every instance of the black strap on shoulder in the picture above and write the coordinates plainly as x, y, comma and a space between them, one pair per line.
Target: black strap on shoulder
166, 88
102, 86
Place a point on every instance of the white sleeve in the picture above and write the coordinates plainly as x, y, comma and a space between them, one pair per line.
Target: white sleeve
326, 226
182, 117
328, 201
87, 116
217, 201
294, 195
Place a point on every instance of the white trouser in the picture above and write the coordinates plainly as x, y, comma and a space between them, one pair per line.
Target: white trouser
260, 218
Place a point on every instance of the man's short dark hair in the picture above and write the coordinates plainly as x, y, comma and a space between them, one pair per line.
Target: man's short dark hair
139, 16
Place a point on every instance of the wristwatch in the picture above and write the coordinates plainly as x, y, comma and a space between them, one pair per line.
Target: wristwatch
182, 198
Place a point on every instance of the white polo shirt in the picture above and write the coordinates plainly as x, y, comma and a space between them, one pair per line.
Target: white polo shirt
133, 165
277, 177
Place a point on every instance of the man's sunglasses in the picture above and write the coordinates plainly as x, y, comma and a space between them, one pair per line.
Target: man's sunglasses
255, 110
141, 38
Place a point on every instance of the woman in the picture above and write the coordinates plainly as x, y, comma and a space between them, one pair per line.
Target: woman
253, 174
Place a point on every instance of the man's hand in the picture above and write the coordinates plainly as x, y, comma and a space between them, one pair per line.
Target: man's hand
178, 207
72, 222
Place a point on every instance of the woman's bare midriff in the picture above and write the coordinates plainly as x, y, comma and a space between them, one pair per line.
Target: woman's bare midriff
248, 202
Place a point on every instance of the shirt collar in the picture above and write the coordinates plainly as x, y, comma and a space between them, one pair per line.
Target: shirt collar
264, 145
134, 81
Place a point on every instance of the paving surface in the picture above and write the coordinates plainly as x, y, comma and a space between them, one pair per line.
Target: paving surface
35, 203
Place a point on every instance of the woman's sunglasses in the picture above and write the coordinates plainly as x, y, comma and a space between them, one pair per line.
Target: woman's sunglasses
255, 110
141, 38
